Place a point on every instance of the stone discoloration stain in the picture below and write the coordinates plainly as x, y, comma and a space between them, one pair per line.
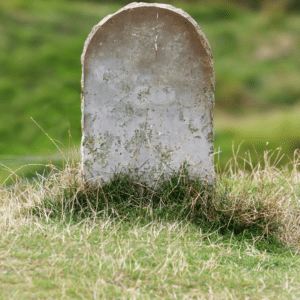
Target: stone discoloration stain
147, 94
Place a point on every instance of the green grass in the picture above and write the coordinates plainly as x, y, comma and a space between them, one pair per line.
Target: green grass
259, 132
115, 260
256, 64
64, 239
124, 239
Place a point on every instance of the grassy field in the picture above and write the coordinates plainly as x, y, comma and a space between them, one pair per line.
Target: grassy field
64, 239
256, 62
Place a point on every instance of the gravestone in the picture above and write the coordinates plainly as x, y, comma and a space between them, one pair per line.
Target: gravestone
147, 95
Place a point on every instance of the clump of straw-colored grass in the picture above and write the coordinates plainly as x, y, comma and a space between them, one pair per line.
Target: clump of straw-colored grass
262, 200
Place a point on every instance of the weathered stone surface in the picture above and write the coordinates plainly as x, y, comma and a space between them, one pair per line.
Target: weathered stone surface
147, 94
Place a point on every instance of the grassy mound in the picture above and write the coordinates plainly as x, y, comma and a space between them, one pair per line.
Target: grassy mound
262, 203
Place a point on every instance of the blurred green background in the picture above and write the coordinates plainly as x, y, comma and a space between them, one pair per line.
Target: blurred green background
255, 44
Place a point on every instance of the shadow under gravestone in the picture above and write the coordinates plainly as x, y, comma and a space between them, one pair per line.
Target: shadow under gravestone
147, 95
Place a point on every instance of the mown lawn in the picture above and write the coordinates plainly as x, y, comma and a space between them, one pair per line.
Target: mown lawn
112, 259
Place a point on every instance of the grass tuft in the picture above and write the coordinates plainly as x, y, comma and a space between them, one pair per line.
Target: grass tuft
179, 237
262, 203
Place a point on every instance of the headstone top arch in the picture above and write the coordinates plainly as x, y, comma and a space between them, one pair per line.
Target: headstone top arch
147, 94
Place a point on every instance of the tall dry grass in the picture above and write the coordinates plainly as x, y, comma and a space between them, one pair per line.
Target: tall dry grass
263, 202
